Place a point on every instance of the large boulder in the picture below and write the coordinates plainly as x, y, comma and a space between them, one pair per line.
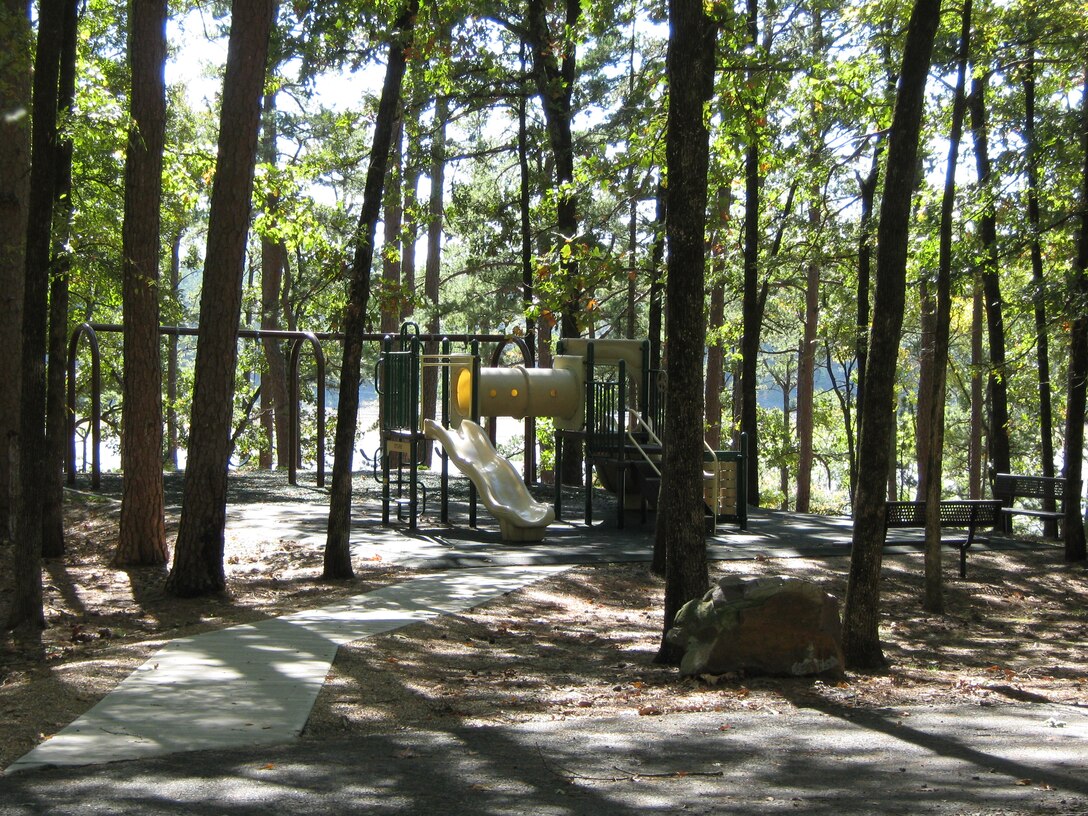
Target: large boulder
776, 625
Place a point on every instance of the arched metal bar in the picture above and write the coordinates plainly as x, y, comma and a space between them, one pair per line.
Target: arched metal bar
529, 433
85, 330
295, 441
92, 330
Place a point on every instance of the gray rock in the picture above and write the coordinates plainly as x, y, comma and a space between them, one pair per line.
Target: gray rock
775, 625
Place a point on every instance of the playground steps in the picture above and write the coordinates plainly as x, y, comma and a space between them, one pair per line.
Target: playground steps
646, 481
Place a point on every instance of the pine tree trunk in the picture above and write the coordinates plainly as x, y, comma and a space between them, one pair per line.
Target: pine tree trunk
974, 453
680, 506
934, 465
1074, 523
26, 474
338, 539
861, 617
391, 221
15, 38
923, 407
171, 456
198, 555
56, 420
142, 537
1042, 341
806, 372
433, 269
868, 187
715, 353
275, 411
554, 63
752, 302
998, 440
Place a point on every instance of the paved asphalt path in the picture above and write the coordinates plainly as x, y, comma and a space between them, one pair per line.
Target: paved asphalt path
1001, 760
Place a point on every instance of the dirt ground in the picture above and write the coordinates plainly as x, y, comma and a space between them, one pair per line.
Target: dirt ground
578, 645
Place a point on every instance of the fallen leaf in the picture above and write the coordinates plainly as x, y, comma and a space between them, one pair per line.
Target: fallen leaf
649, 711
268, 766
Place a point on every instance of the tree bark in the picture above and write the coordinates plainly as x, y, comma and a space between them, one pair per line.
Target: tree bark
15, 73
554, 64
142, 538
806, 370
752, 301
715, 353
171, 456
655, 317
690, 67
923, 408
338, 539
1042, 341
867, 187
26, 474
861, 639
275, 412
56, 420
934, 464
1075, 547
391, 222
974, 453
432, 273
198, 555
998, 438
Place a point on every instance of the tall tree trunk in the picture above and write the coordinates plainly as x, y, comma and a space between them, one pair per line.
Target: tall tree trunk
1075, 548
934, 599
338, 539
142, 538
974, 452
56, 420
927, 353
998, 439
806, 369
15, 73
715, 353
861, 639
275, 412
394, 211
787, 435
27, 476
655, 316
753, 300
715, 361
433, 270
554, 64
690, 67
171, 456
867, 187
409, 216
198, 555
1042, 342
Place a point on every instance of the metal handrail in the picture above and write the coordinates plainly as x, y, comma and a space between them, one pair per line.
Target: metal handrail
637, 420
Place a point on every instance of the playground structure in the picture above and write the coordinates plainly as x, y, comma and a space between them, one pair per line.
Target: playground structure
600, 394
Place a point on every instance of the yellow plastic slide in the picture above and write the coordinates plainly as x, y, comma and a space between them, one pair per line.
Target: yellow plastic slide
521, 517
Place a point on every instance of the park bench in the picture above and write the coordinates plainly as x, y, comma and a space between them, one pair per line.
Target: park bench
1040, 490
969, 514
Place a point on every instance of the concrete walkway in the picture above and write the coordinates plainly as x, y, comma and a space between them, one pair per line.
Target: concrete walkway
255, 683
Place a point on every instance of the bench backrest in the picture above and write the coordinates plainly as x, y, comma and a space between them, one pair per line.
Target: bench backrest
1009, 486
954, 513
